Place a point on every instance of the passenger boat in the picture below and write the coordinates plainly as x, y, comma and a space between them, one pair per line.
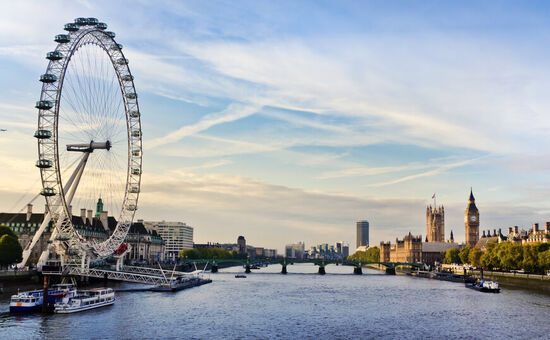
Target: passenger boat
240, 276
179, 283
85, 300
484, 286
31, 301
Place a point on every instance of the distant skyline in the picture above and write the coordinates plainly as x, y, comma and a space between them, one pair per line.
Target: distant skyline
290, 121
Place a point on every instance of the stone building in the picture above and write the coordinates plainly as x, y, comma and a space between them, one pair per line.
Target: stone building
486, 238
432, 252
537, 235
407, 250
385, 251
435, 224
144, 244
471, 221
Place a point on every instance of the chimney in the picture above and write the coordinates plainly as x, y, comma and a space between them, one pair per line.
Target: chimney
104, 220
83, 215
547, 227
29, 212
483, 233
516, 229
509, 230
90, 216
535, 227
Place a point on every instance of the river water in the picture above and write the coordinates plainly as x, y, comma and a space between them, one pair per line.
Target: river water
299, 305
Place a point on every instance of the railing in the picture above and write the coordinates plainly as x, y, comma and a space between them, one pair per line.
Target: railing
110, 274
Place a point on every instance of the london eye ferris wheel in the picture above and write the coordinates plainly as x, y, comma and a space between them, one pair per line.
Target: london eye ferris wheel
89, 135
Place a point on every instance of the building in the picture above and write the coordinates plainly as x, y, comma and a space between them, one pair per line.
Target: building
295, 250
486, 238
435, 224
471, 221
433, 252
362, 234
407, 250
241, 243
537, 235
97, 227
146, 246
385, 251
345, 250
515, 235
176, 235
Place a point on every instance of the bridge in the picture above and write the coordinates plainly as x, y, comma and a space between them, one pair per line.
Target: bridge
390, 266
145, 275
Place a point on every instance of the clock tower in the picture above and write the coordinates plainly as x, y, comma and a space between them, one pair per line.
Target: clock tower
471, 221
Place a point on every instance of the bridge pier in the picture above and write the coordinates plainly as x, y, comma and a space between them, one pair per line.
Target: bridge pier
390, 270
283, 271
322, 270
247, 268
357, 270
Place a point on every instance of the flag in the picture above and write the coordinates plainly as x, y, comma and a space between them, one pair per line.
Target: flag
433, 196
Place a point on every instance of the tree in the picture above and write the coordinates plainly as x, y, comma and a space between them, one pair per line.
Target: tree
451, 256
490, 258
544, 260
510, 255
464, 254
370, 255
10, 250
530, 257
6, 231
474, 258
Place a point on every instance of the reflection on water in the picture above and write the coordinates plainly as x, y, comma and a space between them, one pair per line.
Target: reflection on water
269, 305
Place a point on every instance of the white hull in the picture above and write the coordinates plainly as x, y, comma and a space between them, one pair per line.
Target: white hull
80, 309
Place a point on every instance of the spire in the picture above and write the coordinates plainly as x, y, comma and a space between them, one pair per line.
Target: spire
452, 237
472, 198
99, 207
426, 238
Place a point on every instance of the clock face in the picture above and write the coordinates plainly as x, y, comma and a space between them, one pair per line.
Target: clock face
473, 218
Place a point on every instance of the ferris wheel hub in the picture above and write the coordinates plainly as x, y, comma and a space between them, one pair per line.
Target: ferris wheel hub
89, 147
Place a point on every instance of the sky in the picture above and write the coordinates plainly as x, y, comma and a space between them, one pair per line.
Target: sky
289, 121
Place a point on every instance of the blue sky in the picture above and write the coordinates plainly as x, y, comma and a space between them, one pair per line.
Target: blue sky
288, 121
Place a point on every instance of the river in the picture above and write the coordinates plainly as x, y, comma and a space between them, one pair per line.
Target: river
299, 305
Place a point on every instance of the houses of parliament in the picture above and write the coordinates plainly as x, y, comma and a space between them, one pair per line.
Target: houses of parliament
412, 249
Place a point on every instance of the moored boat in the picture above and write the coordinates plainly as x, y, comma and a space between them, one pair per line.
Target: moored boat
484, 286
85, 300
31, 301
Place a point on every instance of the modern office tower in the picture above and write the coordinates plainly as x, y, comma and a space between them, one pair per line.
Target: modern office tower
362, 233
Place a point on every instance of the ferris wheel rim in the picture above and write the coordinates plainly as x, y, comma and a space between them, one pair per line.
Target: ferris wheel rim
48, 147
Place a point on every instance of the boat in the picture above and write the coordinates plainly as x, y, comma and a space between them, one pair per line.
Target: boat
179, 283
484, 286
240, 276
31, 301
86, 300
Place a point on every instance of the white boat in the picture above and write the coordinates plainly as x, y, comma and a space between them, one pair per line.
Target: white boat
31, 301
85, 300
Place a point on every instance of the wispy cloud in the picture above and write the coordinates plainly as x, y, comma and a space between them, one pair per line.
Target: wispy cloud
231, 113
432, 172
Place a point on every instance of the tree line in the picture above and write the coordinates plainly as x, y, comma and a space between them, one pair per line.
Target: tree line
505, 256
370, 255
209, 253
